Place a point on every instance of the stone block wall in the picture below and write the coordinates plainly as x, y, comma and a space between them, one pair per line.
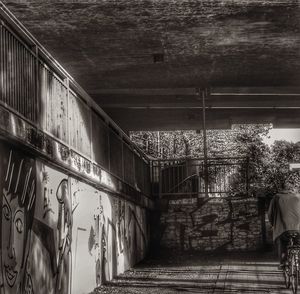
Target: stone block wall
208, 224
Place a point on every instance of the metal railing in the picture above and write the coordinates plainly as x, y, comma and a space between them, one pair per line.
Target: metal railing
35, 87
226, 176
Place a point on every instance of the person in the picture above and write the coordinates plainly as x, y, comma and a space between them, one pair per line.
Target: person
284, 216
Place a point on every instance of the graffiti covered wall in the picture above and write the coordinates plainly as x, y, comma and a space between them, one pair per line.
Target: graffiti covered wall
132, 233
59, 235
51, 232
18, 189
110, 234
209, 224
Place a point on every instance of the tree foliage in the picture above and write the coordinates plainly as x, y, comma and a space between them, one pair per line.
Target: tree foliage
282, 153
183, 144
268, 165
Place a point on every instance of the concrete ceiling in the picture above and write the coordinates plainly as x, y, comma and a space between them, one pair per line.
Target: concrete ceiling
247, 52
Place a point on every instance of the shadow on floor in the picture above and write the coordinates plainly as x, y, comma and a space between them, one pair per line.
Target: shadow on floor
248, 272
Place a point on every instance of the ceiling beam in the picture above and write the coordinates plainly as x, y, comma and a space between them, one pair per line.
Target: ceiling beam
183, 119
193, 91
194, 101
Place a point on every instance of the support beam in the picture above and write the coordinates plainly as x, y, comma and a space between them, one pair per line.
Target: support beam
203, 95
188, 119
192, 101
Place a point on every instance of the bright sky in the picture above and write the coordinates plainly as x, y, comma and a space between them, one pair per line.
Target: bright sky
290, 135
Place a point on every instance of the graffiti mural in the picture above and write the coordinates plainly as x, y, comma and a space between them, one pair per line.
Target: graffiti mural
59, 235
131, 233
209, 224
18, 189
87, 221
50, 255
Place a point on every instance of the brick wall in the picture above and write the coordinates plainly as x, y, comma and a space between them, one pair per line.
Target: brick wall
212, 224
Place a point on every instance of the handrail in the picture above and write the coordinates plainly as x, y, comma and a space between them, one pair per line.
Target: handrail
182, 182
184, 159
169, 175
15, 24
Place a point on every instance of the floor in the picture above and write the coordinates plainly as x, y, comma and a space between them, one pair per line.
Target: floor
254, 272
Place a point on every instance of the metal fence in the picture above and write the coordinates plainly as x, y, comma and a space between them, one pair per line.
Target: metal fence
18, 74
36, 88
225, 177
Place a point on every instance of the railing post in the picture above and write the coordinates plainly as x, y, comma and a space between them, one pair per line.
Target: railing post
247, 176
123, 165
67, 83
203, 94
159, 179
1, 62
38, 97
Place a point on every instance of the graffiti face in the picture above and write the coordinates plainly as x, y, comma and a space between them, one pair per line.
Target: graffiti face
64, 227
17, 203
64, 222
13, 223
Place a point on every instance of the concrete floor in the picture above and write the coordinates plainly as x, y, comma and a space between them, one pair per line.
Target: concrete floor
254, 272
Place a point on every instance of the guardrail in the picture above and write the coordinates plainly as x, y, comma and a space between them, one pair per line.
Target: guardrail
37, 88
226, 176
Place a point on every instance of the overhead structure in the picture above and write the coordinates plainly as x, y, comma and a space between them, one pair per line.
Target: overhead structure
141, 61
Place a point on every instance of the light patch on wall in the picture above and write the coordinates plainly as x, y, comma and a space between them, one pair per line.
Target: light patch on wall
86, 240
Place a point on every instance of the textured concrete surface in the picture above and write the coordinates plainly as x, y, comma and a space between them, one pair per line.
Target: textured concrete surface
254, 272
109, 45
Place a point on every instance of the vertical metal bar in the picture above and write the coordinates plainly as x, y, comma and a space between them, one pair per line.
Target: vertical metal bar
203, 96
22, 83
30, 102
160, 179
48, 95
247, 176
169, 186
67, 82
109, 149
151, 177
8, 78
12, 72
1, 63
5, 61
177, 176
52, 118
92, 154
19, 78
122, 156
215, 187
26, 98
7, 70
12, 90
37, 88
134, 169
18, 75
158, 144
43, 96
32, 86
13, 68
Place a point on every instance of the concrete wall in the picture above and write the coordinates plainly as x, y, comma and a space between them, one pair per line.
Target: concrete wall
211, 224
60, 235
